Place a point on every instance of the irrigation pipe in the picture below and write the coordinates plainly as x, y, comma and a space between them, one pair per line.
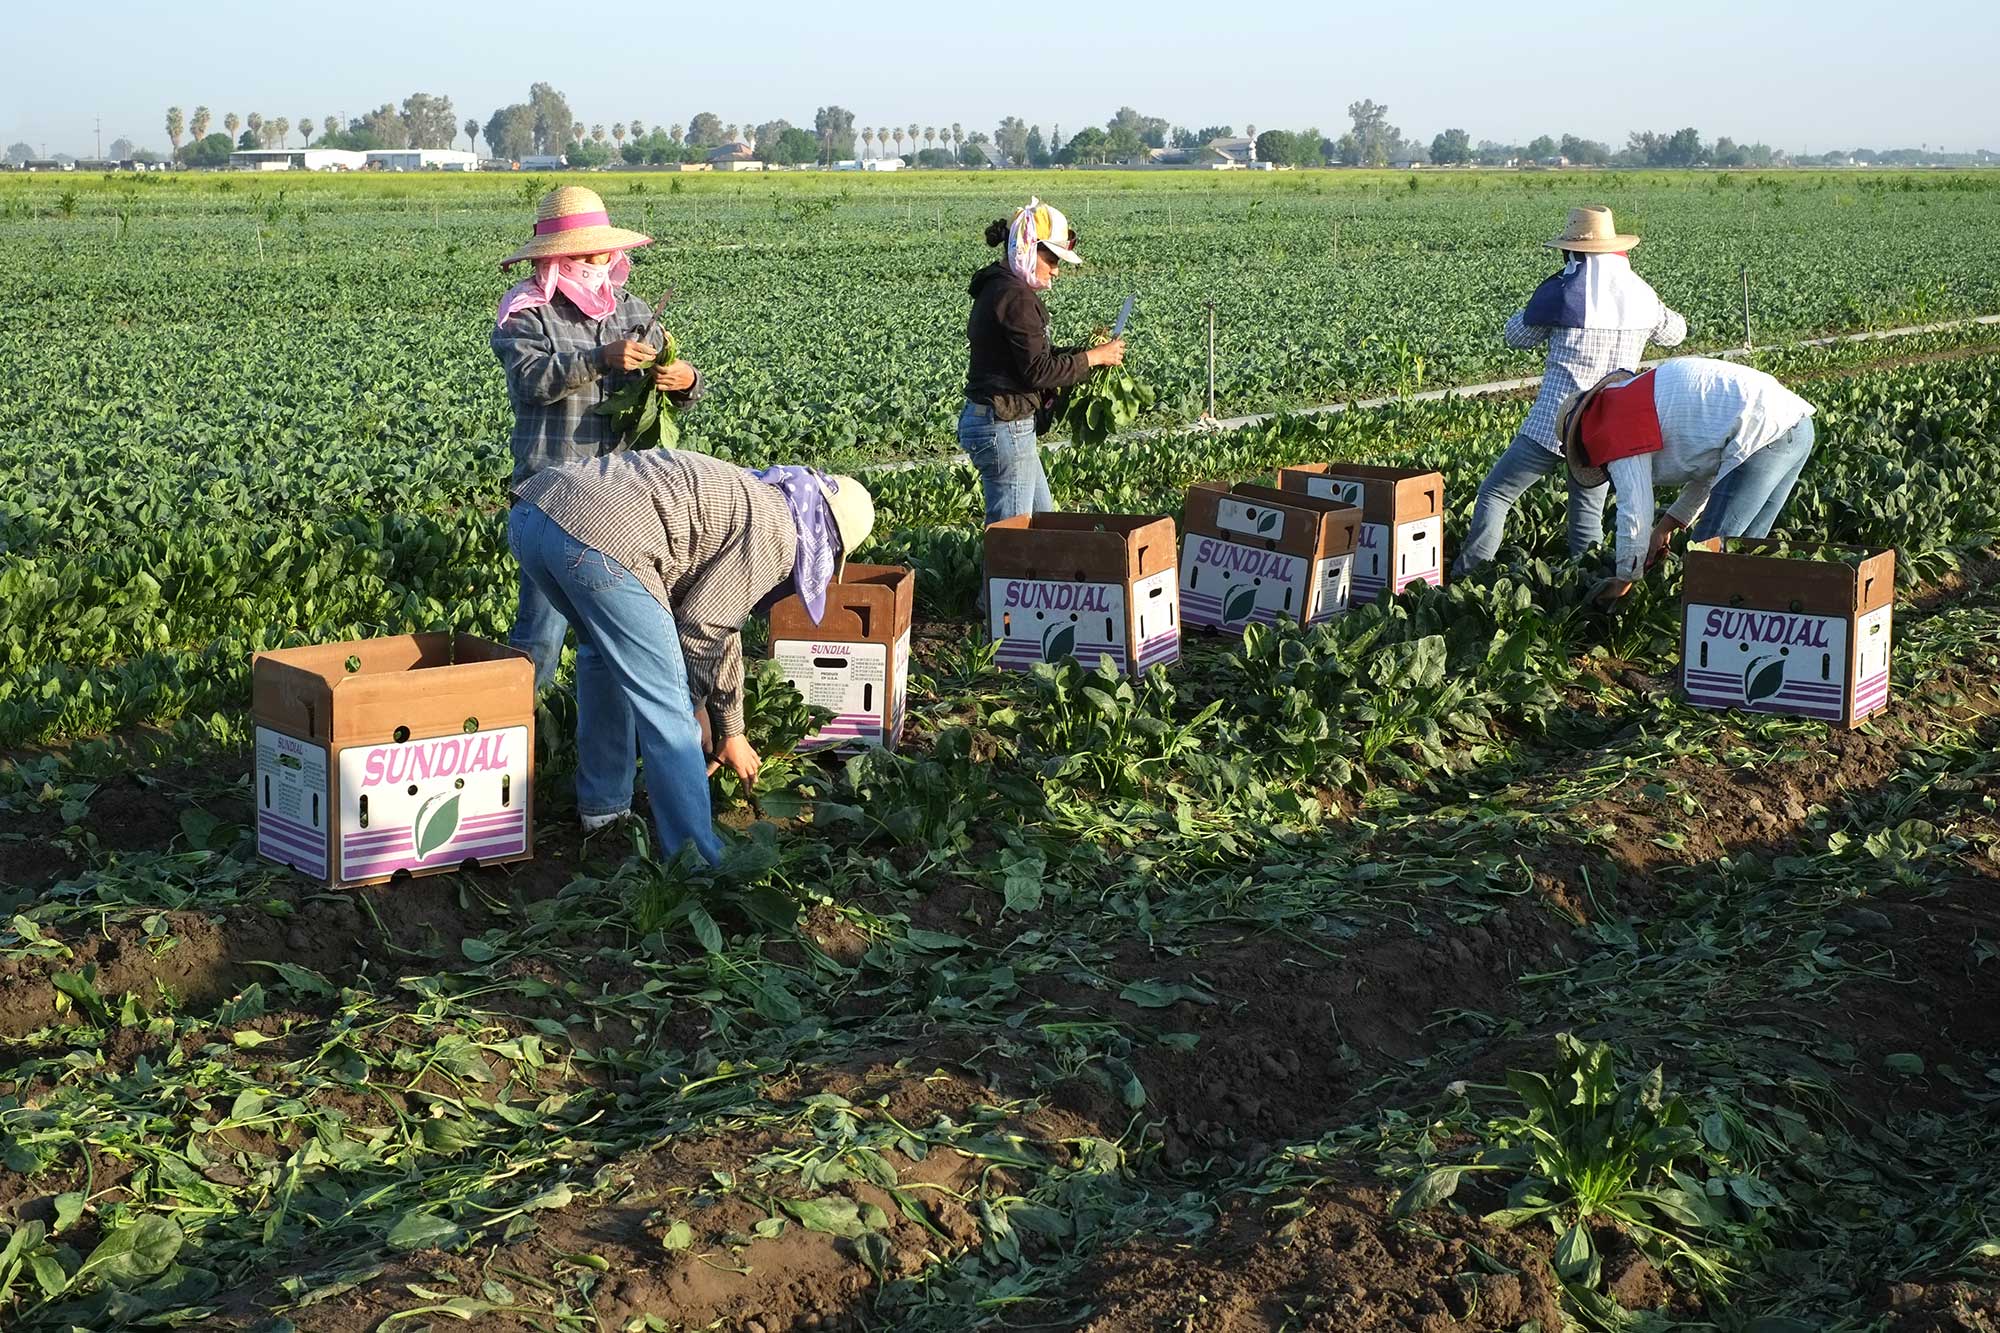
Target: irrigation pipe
1455, 391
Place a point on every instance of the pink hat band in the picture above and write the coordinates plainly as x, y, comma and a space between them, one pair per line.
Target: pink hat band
572, 222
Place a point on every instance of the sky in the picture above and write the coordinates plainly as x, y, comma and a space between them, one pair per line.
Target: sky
1832, 74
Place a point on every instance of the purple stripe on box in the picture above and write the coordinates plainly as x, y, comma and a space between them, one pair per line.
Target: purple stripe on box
272, 819
269, 841
312, 863
450, 854
1431, 576
376, 838
1822, 711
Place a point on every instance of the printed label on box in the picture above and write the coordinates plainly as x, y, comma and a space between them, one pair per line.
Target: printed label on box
292, 814
1769, 661
1252, 520
438, 801
1225, 586
864, 686
1155, 599
1344, 489
1394, 558
1043, 620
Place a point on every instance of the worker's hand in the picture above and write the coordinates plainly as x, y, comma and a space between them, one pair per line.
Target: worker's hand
1609, 592
626, 354
674, 377
1110, 354
742, 760
1663, 531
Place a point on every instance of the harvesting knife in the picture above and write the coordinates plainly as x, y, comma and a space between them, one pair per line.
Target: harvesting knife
1124, 313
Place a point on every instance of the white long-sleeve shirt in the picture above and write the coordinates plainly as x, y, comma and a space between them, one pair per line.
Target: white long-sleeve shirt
1713, 415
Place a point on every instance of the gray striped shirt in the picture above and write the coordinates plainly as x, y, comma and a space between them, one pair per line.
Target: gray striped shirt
707, 539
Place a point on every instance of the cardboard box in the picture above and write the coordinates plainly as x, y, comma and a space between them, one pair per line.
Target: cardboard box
1402, 520
1772, 633
413, 754
1257, 553
1083, 586
856, 662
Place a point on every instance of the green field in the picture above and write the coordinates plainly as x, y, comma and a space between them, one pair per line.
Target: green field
1215, 1000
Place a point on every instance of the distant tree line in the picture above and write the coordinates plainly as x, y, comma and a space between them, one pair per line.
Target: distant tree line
544, 124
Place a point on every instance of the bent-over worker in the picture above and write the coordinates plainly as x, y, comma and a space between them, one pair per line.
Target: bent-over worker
570, 336
1595, 316
1733, 439
656, 559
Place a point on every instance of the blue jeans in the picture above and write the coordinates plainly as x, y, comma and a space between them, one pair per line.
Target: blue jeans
1747, 499
631, 685
538, 630
1009, 462
1524, 464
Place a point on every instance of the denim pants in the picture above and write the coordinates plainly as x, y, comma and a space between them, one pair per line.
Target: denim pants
1009, 462
538, 630
1747, 499
1525, 463
631, 685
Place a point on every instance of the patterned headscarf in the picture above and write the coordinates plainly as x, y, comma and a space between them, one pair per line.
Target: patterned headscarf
596, 295
1024, 239
805, 491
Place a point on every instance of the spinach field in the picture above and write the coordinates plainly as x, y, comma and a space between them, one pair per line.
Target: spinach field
1433, 969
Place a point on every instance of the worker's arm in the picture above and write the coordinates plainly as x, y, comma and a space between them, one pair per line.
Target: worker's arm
1672, 330
535, 369
714, 656
1687, 506
1632, 479
1520, 333
1039, 365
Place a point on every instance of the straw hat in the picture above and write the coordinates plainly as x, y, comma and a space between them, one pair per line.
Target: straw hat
1590, 232
1569, 423
571, 221
853, 515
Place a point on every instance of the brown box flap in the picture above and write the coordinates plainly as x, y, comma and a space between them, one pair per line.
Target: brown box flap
431, 683
1736, 572
1090, 548
1313, 528
869, 603
1391, 495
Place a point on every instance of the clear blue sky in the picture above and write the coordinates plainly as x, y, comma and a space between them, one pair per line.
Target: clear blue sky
1839, 73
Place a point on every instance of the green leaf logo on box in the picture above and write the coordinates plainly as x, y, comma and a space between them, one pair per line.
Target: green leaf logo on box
435, 831
1268, 521
1763, 678
1058, 642
1242, 602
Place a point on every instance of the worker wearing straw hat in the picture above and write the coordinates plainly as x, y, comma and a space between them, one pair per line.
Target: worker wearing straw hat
1595, 316
569, 336
657, 557
1733, 439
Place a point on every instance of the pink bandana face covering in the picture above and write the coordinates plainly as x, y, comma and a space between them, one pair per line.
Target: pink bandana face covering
593, 288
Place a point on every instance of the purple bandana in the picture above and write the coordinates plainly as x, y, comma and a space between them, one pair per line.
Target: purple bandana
805, 490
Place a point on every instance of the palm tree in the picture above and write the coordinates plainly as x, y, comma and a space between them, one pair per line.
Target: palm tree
198, 124
597, 133
675, 134
306, 128
899, 141
618, 133
957, 138
175, 127
867, 140
882, 139
636, 128
229, 124
915, 129
329, 127
472, 134
281, 127
930, 135
728, 134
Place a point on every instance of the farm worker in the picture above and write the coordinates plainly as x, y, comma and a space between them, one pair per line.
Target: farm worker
569, 336
1013, 372
656, 558
1595, 316
1732, 438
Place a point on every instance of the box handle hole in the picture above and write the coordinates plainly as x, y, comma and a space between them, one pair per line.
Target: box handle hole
471, 725
400, 734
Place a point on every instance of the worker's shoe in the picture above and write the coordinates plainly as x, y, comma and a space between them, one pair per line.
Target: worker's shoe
598, 823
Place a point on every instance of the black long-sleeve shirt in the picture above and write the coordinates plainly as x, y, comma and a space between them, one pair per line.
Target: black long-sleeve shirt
1012, 363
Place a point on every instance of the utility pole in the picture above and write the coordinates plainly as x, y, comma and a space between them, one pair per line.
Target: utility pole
100, 138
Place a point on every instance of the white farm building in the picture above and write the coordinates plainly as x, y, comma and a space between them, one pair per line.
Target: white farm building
297, 159
342, 159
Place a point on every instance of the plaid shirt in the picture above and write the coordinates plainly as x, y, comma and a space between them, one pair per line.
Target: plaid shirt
555, 380
709, 541
1579, 358
1713, 415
